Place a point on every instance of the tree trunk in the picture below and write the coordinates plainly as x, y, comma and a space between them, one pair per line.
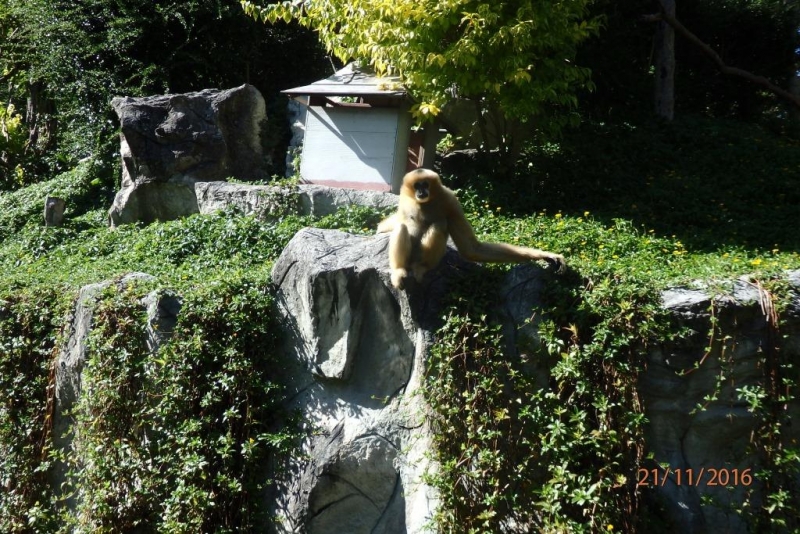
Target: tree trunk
665, 65
39, 118
794, 82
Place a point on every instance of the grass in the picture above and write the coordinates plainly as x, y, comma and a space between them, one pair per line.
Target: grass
693, 199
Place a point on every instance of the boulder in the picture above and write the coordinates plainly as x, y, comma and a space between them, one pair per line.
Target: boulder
170, 142
359, 348
265, 201
262, 201
319, 200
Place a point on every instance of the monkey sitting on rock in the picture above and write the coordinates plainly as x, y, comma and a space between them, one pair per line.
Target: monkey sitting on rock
427, 213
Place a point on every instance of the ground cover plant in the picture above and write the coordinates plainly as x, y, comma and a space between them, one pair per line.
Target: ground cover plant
563, 457
558, 458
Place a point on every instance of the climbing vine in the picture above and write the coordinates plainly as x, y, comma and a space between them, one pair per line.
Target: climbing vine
772, 456
29, 329
176, 441
559, 457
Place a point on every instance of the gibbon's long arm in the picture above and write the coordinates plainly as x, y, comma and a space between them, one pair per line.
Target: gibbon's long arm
481, 251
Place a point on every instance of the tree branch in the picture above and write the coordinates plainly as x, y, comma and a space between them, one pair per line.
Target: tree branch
721, 66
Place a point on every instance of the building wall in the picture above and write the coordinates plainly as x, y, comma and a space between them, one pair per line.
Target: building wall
353, 147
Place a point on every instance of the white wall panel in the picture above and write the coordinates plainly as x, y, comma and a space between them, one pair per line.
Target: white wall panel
355, 146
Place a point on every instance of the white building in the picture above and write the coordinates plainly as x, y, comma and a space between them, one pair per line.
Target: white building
358, 132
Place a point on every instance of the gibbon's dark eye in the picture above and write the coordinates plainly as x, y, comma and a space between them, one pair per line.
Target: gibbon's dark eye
421, 190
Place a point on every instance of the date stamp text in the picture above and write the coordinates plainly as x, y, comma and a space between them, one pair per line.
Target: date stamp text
708, 476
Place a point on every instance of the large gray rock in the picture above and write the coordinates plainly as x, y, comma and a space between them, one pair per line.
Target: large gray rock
320, 200
180, 197
359, 349
264, 201
170, 142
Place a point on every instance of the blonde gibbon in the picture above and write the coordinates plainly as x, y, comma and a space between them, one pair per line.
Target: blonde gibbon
427, 213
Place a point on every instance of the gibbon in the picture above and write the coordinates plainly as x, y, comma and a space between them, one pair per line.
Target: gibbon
427, 213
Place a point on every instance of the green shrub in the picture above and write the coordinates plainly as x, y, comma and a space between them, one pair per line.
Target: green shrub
30, 323
552, 440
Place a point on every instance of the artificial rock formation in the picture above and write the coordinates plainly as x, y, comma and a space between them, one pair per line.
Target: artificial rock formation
264, 201
179, 150
358, 348
356, 351
162, 312
682, 376
54, 211
171, 142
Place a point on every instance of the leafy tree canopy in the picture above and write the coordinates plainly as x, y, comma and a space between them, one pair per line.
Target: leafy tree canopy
517, 55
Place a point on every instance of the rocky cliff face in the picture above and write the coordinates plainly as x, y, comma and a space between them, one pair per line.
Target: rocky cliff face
356, 351
359, 352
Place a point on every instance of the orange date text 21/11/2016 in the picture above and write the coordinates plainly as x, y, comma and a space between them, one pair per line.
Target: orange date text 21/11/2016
708, 476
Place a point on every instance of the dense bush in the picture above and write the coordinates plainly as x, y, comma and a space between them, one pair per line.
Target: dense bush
552, 441
12, 147
30, 323
176, 441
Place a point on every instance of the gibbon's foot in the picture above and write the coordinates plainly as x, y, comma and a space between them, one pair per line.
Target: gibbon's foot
399, 278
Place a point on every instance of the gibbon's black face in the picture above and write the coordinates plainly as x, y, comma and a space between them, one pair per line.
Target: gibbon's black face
422, 190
